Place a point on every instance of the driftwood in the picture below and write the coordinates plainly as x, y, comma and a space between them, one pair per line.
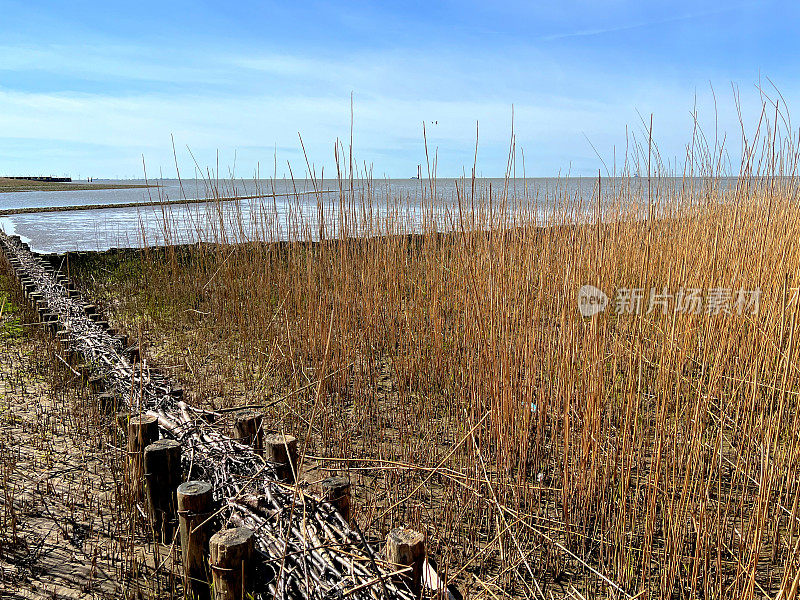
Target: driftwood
304, 546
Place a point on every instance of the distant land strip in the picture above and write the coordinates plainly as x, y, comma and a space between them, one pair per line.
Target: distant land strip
50, 209
12, 185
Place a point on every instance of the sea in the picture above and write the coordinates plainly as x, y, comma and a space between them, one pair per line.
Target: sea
293, 209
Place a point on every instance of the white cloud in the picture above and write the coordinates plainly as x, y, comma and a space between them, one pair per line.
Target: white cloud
254, 101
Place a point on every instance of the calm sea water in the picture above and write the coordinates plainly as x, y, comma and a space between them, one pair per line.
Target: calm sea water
292, 212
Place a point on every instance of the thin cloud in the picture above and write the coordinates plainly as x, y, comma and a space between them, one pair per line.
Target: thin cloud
634, 26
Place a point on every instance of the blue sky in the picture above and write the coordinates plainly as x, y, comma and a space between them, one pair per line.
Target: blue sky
88, 88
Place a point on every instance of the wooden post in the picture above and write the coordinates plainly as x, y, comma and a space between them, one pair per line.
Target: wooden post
123, 418
34, 298
67, 343
97, 384
70, 354
142, 431
195, 500
50, 321
83, 371
162, 475
336, 491
107, 402
406, 548
247, 429
231, 551
282, 449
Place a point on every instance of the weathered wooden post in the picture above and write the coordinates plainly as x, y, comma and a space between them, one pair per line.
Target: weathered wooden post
50, 320
142, 431
97, 384
34, 298
406, 548
336, 491
68, 349
162, 475
123, 418
83, 370
195, 499
134, 354
107, 402
61, 336
231, 551
247, 429
282, 449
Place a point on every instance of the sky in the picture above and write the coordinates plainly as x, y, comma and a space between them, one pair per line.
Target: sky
107, 90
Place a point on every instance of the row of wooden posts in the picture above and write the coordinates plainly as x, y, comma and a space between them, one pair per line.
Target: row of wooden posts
155, 464
155, 472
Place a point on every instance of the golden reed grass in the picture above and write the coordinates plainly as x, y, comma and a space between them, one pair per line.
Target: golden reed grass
648, 455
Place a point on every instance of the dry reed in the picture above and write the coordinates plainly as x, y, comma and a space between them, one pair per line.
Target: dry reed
621, 455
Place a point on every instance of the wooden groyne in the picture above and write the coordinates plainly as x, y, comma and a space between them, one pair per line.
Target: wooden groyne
245, 526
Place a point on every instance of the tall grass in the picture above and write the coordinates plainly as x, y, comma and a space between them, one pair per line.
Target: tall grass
621, 455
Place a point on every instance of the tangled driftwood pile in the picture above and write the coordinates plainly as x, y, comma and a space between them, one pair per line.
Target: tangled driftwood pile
305, 547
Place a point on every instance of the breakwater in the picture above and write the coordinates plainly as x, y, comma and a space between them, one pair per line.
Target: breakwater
245, 522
